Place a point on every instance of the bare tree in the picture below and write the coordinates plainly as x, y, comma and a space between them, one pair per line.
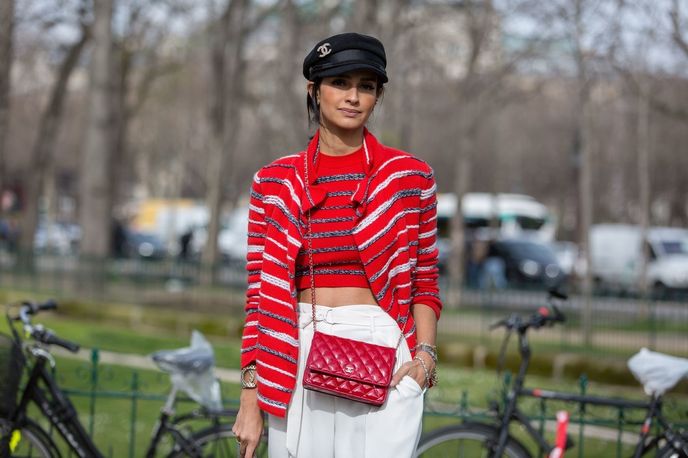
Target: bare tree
582, 150
480, 21
138, 63
228, 67
41, 163
228, 74
97, 151
643, 163
6, 31
293, 26
364, 17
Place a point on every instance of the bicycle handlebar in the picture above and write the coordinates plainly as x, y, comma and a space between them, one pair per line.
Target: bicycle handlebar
46, 336
33, 308
545, 316
38, 332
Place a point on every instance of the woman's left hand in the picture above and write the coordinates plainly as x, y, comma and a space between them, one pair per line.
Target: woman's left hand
414, 369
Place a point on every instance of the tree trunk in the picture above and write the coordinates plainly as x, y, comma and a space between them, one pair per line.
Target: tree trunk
643, 147
228, 75
6, 31
95, 210
121, 117
364, 17
462, 184
293, 106
585, 196
42, 160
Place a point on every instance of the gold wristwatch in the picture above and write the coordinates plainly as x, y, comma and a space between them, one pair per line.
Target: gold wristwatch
248, 376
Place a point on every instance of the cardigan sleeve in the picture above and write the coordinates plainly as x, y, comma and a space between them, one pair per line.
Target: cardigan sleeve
425, 281
254, 258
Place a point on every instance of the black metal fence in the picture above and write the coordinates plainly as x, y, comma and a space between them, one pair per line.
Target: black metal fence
620, 325
118, 407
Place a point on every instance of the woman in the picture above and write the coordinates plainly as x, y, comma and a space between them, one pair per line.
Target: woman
349, 224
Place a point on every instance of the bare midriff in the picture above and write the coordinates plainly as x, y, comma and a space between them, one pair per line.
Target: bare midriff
337, 297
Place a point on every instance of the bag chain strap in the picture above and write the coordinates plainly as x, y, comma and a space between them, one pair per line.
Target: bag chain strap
310, 247
308, 239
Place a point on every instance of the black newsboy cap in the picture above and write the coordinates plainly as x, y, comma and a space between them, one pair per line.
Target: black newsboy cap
343, 53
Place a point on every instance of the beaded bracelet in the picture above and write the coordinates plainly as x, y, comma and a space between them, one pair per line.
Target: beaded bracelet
427, 348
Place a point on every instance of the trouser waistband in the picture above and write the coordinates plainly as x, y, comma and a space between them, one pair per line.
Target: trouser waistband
357, 314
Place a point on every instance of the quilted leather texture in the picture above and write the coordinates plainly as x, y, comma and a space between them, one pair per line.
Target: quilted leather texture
349, 368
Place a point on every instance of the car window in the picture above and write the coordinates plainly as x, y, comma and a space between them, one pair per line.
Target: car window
530, 250
530, 224
675, 246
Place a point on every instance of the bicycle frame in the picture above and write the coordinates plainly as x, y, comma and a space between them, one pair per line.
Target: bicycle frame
43, 390
56, 407
167, 424
513, 413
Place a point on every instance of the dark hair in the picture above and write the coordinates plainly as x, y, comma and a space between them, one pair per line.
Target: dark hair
313, 107
312, 104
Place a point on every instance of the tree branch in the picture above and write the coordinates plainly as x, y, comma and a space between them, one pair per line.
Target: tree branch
677, 33
655, 103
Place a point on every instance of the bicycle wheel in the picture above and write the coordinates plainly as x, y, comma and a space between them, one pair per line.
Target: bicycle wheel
469, 440
30, 441
219, 442
669, 452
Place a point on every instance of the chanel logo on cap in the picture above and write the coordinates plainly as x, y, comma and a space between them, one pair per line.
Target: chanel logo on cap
324, 49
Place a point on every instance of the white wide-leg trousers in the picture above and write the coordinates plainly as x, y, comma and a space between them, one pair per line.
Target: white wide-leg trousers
319, 425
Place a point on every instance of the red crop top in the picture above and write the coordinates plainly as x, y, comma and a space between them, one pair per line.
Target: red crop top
336, 262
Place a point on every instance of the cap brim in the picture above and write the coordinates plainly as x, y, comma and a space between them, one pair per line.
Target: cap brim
349, 67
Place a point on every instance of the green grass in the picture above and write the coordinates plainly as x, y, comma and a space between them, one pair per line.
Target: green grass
142, 330
139, 336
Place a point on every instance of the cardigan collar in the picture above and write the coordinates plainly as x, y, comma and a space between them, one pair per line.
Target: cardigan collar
315, 194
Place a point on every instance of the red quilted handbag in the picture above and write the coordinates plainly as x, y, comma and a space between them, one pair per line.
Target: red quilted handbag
348, 368
343, 367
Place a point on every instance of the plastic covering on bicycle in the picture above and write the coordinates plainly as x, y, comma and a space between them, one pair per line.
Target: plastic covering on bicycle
192, 371
656, 371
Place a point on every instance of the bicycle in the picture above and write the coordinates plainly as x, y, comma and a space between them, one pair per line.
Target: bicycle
493, 439
23, 436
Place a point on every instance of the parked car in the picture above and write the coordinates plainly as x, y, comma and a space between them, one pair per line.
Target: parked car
145, 245
231, 240
509, 215
57, 238
570, 259
529, 263
514, 262
616, 252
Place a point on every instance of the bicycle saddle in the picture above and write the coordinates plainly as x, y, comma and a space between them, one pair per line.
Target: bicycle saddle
656, 371
184, 360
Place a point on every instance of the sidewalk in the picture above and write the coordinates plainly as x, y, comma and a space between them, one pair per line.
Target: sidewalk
136, 361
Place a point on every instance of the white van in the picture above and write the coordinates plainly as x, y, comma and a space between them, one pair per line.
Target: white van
616, 255
518, 215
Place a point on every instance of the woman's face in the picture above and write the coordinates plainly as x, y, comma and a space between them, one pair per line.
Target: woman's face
346, 101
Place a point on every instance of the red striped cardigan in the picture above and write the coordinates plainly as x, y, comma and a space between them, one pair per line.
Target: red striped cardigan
395, 232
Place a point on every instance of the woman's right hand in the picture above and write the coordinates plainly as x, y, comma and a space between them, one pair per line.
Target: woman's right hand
248, 427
